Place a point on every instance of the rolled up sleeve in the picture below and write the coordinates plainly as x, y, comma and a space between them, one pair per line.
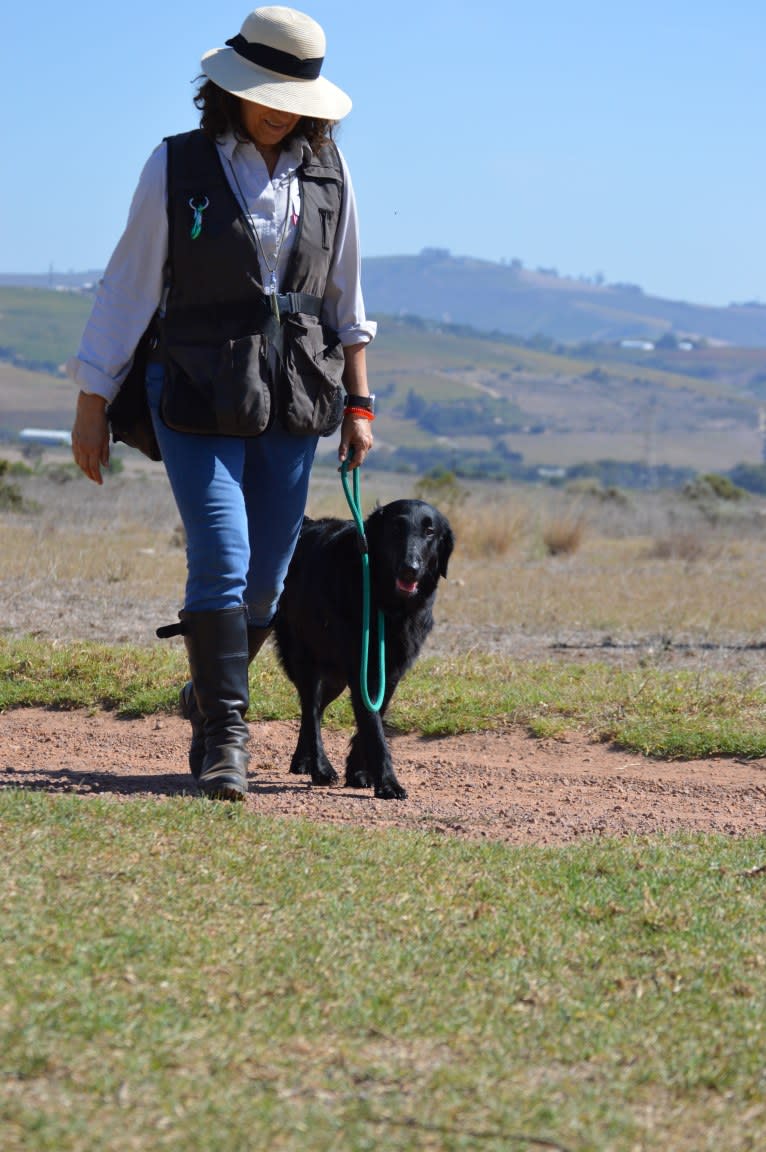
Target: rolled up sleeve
130, 290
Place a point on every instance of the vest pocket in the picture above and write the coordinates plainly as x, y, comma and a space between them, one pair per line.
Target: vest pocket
311, 392
221, 391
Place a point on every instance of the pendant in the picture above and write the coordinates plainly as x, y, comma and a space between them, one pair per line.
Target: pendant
197, 209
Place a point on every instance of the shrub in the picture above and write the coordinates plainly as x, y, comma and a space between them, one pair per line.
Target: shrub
563, 537
592, 488
441, 488
491, 530
62, 473
11, 499
712, 486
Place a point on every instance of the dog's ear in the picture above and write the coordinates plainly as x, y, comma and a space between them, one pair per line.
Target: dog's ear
446, 544
374, 522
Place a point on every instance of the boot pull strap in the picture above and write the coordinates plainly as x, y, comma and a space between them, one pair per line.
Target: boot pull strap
169, 630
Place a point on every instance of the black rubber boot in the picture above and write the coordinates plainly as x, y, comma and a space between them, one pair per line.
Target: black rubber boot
256, 638
216, 643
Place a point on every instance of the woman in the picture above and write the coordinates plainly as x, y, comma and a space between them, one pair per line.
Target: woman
241, 255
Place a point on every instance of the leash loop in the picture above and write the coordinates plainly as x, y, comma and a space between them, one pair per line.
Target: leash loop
355, 504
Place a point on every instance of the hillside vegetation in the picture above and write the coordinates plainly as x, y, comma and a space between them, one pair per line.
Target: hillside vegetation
476, 403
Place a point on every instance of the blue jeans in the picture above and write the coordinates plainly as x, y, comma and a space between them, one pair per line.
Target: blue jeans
241, 502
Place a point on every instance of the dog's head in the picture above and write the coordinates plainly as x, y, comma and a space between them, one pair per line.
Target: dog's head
410, 543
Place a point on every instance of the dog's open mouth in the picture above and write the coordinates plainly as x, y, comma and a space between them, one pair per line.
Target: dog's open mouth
407, 587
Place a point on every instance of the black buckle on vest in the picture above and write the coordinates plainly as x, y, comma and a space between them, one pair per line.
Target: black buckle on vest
288, 302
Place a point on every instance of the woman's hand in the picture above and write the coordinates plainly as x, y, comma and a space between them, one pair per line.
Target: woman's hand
90, 436
355, 440
356, 431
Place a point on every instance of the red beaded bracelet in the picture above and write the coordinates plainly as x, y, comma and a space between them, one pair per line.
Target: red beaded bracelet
363, 412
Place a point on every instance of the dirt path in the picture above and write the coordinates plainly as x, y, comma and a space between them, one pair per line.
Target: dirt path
498, 786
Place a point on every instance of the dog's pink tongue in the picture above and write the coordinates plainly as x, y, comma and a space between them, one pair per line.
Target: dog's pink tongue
407, 586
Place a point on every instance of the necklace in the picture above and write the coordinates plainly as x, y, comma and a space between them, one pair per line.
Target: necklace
269, 289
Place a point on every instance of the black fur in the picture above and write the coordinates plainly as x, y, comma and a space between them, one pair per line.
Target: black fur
319, 627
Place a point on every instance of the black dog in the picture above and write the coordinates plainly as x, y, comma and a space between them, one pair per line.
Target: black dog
319, 627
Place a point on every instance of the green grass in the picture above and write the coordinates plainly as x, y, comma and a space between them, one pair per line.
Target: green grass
653, 711
190, 976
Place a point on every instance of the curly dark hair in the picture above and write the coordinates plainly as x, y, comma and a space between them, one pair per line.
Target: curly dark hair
220, 113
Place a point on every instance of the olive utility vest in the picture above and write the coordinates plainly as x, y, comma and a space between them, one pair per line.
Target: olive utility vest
232, 364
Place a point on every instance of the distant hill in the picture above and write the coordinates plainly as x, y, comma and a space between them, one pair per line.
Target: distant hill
518, 301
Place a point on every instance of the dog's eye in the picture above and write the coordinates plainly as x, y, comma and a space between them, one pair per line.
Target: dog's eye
428, 531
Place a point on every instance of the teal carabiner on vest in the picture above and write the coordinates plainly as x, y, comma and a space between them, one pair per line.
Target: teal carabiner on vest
198, 209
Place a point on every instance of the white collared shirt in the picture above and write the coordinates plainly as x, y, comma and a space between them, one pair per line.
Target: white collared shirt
131, 288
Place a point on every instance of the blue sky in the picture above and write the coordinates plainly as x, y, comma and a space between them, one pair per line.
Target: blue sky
603, 136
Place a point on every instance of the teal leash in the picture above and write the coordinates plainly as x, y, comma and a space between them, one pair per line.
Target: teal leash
355, 504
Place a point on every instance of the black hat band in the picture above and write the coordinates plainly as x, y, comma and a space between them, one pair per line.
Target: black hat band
275, 60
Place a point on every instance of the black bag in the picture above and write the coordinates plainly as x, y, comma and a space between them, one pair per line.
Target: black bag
129, 417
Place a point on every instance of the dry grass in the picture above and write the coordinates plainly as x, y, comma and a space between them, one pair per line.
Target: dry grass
650, 568
489, 530
563, 537
103, 563
686, 546
135, 555
613, 586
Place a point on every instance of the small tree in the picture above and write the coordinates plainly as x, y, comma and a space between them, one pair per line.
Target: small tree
442, 488
712, 486
11, 499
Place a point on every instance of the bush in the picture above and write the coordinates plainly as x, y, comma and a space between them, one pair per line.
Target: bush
563, 537
441, 488
489, 531
711, 486
11, 499
592, 488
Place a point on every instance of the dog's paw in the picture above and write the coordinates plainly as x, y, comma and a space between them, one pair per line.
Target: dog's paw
323, 774
357, 772
324, 777
300, 766
358, 778
321, 771
390, 790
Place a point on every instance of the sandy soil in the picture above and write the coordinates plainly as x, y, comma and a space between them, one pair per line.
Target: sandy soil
498, 786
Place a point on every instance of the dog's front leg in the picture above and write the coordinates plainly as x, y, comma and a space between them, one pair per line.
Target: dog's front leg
369, 758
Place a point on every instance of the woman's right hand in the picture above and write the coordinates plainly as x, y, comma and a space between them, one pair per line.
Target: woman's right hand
90, 436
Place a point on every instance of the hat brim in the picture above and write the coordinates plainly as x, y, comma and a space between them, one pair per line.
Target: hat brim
316, 98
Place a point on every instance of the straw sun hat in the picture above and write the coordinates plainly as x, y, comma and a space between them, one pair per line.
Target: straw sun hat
275, 61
